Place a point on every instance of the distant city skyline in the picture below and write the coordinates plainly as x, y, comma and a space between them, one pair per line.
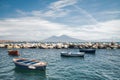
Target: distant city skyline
40, 19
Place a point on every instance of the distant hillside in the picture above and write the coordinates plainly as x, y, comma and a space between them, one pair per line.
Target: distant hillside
62, 38
106, 40
2, 41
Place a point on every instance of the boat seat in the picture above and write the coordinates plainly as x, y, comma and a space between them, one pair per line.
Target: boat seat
24, 61
32, 63
27, 61
20, 60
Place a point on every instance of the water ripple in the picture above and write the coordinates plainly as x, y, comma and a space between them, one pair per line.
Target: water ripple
104, 65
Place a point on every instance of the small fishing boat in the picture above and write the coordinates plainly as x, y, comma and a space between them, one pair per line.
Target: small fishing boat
25, 63
88, 50
13, 52
72, 54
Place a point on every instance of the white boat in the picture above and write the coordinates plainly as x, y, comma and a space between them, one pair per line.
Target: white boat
29, 64
72, 54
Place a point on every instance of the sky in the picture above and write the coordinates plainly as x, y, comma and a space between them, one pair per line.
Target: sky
40, 19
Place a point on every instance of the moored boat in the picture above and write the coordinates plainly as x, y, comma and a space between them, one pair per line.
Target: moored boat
88, 50
13, 52
72, 54
25, 63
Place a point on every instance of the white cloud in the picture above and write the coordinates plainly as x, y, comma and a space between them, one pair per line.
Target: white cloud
104, 30
36, 13
111, 12
56, 8
61, 4
37, 27
53, 10
59, 9
30, 28
58, 13
21, 12
87, 14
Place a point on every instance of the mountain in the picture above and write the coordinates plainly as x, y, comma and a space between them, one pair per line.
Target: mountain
62, 38
106, 40
2, 41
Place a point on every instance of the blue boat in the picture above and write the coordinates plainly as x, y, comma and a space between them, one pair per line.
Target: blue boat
25, 63
72, 54
88, 50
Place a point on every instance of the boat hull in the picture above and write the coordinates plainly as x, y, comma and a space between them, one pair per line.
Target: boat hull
88, 50
25, 65
13, 53
72, 55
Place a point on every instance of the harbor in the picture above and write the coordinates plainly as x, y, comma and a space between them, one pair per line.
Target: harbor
60, 40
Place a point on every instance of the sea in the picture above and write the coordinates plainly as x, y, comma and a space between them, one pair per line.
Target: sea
103, 65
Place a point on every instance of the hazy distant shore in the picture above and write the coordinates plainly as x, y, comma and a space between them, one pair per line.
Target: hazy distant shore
61, 45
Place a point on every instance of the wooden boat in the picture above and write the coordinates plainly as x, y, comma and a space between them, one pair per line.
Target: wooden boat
29, 64
88, 50
72, 54
13, 52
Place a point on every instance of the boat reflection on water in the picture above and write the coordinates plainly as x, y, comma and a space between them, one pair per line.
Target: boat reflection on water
29, 74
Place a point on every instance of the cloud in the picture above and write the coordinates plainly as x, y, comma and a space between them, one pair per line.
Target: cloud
107, 15
59, 12
111, 12
21, 12
87, 14
55, 9
30, 28
61, 4
106, 30
58, 19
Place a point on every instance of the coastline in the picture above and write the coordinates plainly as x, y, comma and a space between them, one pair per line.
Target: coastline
61, 45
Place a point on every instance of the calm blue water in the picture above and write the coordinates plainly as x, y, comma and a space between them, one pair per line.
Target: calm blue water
104, 65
